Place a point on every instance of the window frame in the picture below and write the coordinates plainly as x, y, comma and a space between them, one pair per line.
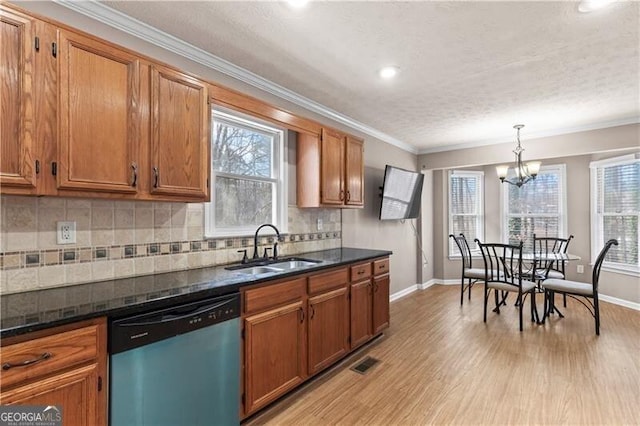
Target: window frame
479, 175
562, 196
597, 234
279, 174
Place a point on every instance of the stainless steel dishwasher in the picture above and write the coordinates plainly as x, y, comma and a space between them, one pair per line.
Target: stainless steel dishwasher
177, 366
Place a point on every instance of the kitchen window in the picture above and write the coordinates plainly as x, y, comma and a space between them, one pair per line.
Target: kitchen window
466, 208
615, 211
248, 171
538, 207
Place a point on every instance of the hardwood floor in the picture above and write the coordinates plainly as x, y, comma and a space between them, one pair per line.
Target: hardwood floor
440, 364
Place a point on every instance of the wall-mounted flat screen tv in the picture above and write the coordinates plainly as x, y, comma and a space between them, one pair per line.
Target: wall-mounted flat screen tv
401, 194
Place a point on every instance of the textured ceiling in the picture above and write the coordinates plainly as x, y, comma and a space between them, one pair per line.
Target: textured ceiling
469, 70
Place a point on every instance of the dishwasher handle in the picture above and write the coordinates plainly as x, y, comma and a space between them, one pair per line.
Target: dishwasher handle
169, 317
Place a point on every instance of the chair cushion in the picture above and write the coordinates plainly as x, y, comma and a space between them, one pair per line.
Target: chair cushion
526, 286
556, 274
474, 273
575, 287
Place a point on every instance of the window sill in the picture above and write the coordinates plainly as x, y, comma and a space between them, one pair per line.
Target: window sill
622, 271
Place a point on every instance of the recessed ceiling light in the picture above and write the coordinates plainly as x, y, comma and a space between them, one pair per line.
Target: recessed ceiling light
297, 4
389, 72
591, 5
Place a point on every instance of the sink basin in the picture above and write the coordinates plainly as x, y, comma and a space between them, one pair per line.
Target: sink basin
293, 264
257, 270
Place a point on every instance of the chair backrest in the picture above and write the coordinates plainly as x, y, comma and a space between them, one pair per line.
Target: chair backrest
596, 267
502, 263
465, 251
548, 245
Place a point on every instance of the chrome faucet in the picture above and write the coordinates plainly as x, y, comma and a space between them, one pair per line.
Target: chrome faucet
255, 241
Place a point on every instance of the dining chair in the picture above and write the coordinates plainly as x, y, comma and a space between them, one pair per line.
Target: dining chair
503, 274
550, 268
469, 273
577, 290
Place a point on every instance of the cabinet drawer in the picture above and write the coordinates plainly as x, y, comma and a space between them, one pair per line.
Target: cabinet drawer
361, 271
328, 280
381, 266
46, 355
258, 299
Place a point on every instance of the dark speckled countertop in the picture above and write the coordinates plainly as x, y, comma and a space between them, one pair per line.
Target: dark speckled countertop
35, 310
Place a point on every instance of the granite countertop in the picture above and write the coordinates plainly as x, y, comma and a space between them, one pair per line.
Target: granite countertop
35, 310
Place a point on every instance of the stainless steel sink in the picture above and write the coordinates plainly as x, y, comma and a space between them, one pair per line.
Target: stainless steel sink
257, 270
293, 264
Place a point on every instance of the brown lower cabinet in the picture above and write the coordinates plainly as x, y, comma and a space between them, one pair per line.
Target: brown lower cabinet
296, 328
66, 369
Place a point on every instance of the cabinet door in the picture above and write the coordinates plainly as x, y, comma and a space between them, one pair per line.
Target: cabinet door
331, 174
328, 328
17, 148
99, 116
179, 134
354, 171
274, 349
75, 392
361, 312
380, 303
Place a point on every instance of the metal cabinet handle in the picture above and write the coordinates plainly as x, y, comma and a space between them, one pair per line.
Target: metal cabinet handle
313, 312
301, 315
156, 177
341, 194
375, 287
361, 271
8, 365
348, 196
370, 288
134, 168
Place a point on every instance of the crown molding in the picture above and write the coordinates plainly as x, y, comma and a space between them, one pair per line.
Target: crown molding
136, 28
534, 135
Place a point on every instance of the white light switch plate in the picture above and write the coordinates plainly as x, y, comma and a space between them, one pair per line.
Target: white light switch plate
580, 269
319, 225
66, 232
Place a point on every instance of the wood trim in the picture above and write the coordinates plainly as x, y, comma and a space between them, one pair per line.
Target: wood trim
267, 297
328, 280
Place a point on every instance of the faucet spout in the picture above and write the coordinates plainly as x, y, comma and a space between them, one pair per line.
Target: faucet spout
255, 240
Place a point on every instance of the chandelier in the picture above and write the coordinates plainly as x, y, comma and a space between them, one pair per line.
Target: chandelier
523, 172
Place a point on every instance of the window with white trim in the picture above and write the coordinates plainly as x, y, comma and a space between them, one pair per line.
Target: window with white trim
537, 207
248, 174
615, 211
466, 208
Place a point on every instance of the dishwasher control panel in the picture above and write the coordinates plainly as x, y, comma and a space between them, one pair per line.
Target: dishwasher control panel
144, 329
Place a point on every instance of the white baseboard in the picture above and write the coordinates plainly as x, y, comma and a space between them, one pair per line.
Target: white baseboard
621, 302
439, 281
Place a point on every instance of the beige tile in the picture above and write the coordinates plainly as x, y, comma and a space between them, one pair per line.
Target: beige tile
161, 206
208, 258
82, 217
162, 235
185, 247
178, 215
194, 260
144, 265
79, 273
20, 225
125, 205
115, 253
143, 235
141, 250
11, 261
78, 203
102, 218
3, 283
102, 204
195, 218
103, 237
21, 241
51, 203
178, 234
195, 233
18, 280
162, 263
52, 276
85, 255
124, 268
102, 270
179, 261
48, 219
222, 256
124, 218
124, 236
162, 218
143, 218
16, 200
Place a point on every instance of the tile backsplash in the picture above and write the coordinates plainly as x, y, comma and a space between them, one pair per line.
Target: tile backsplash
118, 239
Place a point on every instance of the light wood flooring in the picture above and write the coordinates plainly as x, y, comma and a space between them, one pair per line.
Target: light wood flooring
440, 364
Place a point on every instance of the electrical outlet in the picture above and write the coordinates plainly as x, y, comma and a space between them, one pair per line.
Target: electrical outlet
319, 224
580, 269
66, 232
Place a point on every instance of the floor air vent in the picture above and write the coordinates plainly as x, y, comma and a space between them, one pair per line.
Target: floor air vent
363, 366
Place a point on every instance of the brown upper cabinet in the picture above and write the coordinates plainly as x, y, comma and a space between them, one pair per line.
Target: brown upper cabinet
17, 155
99, 116
330, 170
179, 134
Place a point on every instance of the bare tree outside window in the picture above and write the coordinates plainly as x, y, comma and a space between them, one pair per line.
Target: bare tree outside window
466, 207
